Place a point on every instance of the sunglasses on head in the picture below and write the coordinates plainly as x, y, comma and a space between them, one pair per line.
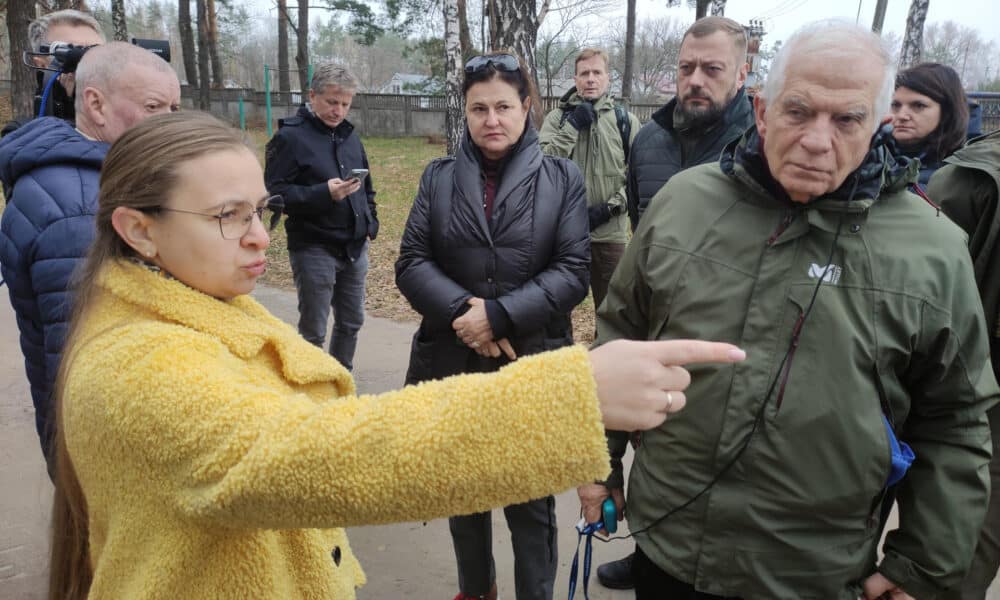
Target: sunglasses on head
500, 62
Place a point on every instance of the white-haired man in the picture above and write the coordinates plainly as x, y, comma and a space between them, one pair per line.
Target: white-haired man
856, 303
52, 171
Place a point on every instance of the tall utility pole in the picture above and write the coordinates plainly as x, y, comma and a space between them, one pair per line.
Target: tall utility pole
879, 16
629, 52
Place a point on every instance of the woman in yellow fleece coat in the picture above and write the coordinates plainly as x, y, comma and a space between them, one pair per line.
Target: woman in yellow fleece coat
205, 450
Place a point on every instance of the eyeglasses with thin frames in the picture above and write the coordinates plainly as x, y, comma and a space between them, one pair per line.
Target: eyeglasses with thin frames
235, 219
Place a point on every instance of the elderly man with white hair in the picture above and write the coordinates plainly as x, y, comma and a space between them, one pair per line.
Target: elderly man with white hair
52, 171
866, 345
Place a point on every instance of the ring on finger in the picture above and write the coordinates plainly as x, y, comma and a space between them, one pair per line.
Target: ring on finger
670, 401
474, 344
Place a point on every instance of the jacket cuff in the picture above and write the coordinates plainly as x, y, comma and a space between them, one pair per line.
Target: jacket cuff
904, 573
617, 444
499, 320
319, 194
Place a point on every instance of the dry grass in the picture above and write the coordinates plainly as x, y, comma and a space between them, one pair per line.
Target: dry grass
397, 164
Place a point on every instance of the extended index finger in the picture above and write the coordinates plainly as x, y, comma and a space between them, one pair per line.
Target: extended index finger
686, 352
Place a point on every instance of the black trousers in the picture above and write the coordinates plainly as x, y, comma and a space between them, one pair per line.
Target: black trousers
653, 583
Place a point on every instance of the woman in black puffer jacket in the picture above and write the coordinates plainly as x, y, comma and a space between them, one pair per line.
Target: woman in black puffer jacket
495, 256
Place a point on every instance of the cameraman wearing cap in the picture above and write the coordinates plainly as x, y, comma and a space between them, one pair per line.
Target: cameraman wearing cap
52, 171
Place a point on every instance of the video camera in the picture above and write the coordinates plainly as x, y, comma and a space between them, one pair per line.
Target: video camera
53, 100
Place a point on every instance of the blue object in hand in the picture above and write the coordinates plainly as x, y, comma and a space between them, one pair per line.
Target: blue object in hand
609, 513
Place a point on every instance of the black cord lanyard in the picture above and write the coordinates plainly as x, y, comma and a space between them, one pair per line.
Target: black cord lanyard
759, 418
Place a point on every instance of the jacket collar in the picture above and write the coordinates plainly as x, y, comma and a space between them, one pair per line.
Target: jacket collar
571, 99
342, 131
738, 110
241, 324
982, 153
520, 164
45, 142
880, 171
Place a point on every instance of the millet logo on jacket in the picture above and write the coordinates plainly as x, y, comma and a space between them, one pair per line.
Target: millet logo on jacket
830, 273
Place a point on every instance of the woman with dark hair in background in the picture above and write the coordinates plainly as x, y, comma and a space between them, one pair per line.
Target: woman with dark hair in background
205, 450
930, 115
495, 256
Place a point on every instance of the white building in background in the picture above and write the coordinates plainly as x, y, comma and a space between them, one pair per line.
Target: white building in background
405, 83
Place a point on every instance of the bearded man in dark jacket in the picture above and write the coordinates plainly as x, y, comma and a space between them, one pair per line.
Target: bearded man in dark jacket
710, 110
331, 211
53, 171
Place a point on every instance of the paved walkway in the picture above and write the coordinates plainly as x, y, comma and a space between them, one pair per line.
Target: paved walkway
406, 560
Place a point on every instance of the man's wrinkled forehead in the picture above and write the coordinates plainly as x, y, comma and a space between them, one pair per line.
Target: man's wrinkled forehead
717, 46
853, 83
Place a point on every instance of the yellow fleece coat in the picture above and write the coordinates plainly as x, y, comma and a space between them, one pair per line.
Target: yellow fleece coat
219, 452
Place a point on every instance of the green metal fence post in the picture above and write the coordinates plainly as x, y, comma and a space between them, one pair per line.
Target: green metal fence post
243, 115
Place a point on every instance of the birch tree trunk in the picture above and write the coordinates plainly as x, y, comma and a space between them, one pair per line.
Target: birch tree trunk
913, 40
454, 117
187, 42
118, 20
718, 8
517, 30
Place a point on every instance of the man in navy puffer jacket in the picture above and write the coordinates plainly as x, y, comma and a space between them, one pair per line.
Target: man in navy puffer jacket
52, 172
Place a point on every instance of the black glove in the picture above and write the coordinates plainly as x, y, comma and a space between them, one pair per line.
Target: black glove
582, 116
599, 215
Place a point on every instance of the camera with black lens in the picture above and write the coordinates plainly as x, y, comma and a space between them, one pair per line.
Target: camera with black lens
51, 97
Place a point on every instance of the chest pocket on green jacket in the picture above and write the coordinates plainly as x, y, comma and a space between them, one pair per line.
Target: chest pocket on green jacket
825, 449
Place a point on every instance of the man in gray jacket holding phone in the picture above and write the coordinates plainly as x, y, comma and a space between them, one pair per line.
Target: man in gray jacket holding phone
317, 163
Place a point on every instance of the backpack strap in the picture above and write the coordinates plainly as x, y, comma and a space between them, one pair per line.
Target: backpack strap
624, 127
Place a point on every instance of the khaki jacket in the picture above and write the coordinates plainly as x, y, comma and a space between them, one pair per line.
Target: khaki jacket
599, 154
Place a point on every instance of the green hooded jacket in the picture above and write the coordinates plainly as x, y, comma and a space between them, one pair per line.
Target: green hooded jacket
599, 154
968, 190
896, 328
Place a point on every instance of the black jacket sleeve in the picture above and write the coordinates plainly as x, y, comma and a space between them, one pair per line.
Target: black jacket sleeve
373, 225
431, 292
565, 280
281, 175
632, 197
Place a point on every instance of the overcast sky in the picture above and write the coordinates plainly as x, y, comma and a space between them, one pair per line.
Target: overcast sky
782, 17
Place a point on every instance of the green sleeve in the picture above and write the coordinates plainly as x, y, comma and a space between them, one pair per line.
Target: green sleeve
943, 498
557, 136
